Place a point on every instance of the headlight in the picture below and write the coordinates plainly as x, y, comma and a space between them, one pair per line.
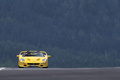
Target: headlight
22, 59
44, 59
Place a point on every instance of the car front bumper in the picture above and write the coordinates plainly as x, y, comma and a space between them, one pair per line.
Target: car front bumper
24, 64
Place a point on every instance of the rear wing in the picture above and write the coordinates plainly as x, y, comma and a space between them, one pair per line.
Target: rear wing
33, 51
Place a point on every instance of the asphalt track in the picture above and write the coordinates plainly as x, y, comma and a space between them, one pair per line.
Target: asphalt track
60, 74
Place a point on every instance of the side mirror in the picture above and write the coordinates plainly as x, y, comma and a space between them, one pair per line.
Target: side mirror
17, 55
49, 56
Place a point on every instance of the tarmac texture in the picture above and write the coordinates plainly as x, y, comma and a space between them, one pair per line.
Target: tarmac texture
60, 74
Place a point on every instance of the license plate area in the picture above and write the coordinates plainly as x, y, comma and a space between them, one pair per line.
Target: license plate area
33, 65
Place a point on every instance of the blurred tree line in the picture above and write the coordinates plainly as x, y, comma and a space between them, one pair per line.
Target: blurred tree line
76, 33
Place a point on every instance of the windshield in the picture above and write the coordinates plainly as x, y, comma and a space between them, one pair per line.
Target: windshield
29, 54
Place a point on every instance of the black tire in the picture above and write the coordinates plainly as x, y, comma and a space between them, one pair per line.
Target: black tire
20, 67
45, 67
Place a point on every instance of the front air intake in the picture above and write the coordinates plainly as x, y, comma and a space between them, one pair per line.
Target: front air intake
33, 63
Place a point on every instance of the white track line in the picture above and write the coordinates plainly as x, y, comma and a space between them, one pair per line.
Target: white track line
2, 68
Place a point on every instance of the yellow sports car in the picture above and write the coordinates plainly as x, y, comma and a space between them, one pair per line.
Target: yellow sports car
33, 59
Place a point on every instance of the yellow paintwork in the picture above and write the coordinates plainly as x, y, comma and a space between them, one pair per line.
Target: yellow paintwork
30, 61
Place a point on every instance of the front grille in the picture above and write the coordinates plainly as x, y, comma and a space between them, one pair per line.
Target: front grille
33, 63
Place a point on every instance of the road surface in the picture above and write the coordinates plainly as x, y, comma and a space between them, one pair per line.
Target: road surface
60, 74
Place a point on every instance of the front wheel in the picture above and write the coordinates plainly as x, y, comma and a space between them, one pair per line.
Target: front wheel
45, 67
20, 67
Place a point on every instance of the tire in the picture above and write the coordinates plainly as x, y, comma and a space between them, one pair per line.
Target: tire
20, 67
45, 67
